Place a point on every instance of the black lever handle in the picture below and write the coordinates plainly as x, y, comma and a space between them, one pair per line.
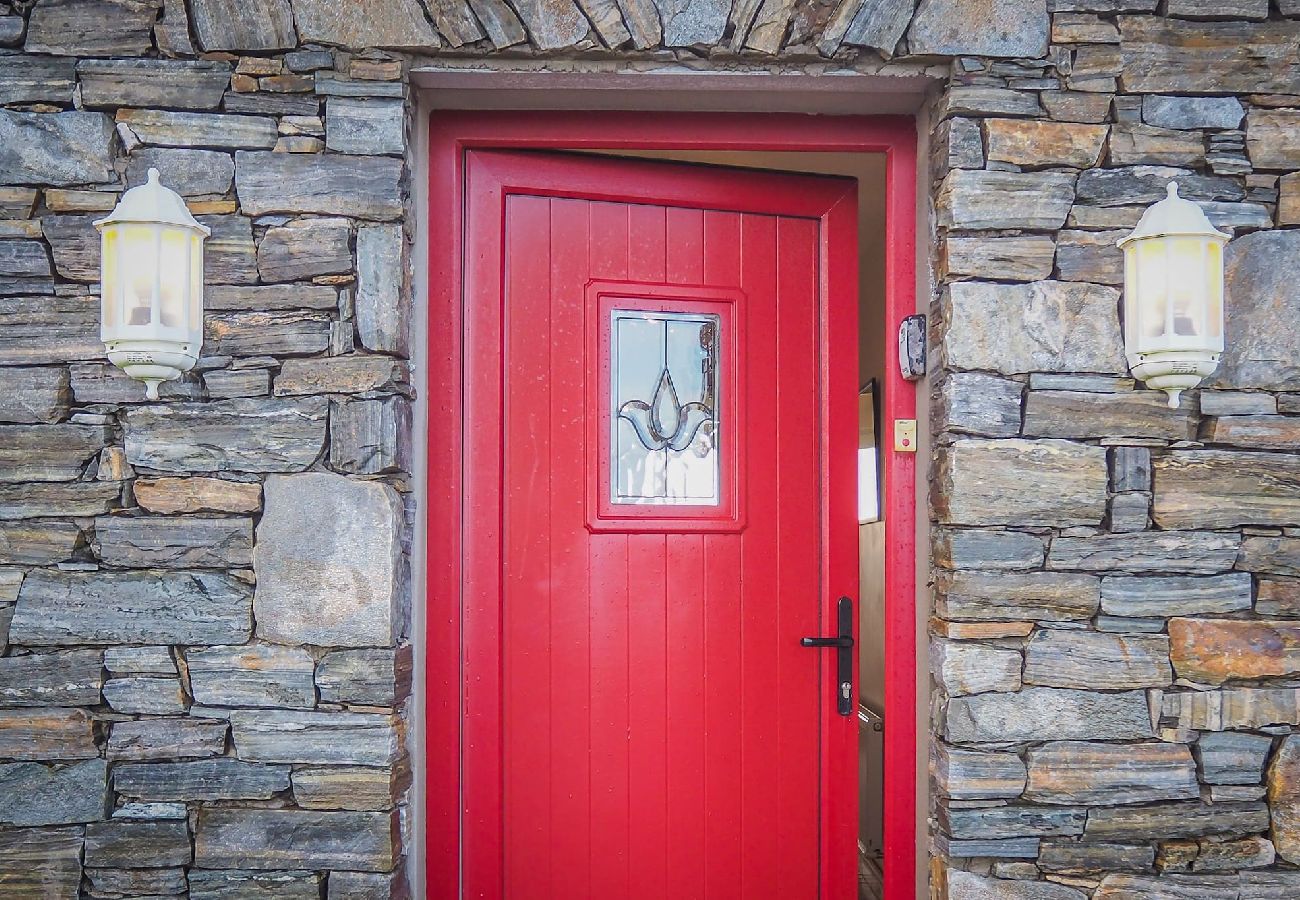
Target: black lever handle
843, 644
827, 642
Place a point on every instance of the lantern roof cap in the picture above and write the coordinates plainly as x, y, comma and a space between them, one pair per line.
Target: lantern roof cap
1173, 216
152, 203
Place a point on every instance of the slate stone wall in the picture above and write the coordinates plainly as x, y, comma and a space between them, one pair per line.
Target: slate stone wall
206, 601
206, 666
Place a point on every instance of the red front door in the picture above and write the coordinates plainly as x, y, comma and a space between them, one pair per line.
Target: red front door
660, 386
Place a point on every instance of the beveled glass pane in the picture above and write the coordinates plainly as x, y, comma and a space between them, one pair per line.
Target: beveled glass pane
664, 430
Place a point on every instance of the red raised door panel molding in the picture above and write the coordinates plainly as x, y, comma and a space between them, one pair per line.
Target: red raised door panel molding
643, 432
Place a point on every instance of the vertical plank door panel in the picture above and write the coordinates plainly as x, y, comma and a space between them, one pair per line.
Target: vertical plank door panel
660, 727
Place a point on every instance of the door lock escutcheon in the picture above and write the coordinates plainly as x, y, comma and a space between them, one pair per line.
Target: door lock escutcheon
843, 644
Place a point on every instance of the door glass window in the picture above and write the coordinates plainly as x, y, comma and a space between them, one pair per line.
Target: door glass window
665, 433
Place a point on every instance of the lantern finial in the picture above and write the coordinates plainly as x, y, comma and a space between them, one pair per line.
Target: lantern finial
1171, 189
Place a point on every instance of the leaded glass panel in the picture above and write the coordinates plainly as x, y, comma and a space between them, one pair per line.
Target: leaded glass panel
665, 434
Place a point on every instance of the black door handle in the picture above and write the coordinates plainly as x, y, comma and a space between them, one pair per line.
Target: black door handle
843, 644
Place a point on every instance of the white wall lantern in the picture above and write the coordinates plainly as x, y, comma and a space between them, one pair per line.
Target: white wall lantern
1173, 296
151, 284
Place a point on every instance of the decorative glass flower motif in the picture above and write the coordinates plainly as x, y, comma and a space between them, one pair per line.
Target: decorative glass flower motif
665, 422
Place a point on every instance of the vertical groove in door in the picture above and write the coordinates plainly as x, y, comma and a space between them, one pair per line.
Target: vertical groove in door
760, 697
570, 618
526, 601
610, 854
798, 578
686, 645
648, 619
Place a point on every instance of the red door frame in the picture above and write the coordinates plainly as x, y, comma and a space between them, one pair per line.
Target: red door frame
451, 136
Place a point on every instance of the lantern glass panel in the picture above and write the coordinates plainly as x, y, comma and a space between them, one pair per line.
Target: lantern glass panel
110, 288
1152, 294
1214, 285
138, 256
1186, 286
196, 282
173, 276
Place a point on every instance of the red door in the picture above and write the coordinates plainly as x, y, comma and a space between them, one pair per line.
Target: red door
660, 392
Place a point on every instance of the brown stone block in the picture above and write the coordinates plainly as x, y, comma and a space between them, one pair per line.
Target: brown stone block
1093, 773
1212, 651
1225, 489
1284, 799
1132, 144
1278, 597
192, 495
1034, 143
49, 733
1208, 57
1253, 432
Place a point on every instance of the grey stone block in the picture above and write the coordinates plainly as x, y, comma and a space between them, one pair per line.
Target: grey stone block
1047, 326
246, 435
167, 739
38, 542
123, 843
367, 187
190, 129
365, 677
274, 839
72, 678
28, 78
92, 27
32, 794
174, 83
338, 583
370, 437
174, 541
41, 862
381, 311
238, 26
303, 248
63, 608
335, 738
1086, 659
188, 172
1231, 757
235, 884
145, 695
365, 126
1192, 112
1224, 489
1175, 595
1004, 28
37, 395
207, 779
1045, 714
1193, 552
252, 675
1020, 482
978, 199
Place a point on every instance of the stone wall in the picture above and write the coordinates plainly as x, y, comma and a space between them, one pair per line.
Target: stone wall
206, 600
1117, 618
206, 675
